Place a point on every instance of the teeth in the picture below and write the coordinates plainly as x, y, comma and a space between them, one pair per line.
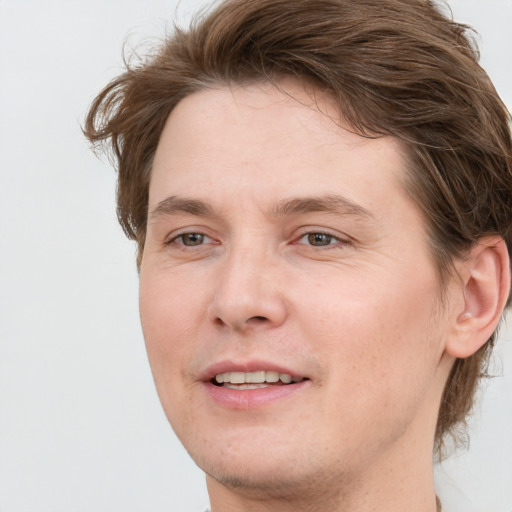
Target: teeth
258, 377
245, 386
271, 376
255, 377
236, 378
285, 378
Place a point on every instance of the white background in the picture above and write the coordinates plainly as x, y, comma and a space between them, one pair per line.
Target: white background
81, 428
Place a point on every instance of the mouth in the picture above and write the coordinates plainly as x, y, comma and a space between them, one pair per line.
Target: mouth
251, 385
254, 380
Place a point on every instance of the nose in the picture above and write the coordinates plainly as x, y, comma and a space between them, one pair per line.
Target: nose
248, 295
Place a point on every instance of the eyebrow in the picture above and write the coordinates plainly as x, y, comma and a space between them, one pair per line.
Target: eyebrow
327, 204
335, 204
175, 205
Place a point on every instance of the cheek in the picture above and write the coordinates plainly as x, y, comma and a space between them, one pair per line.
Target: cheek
379, 355
169, 317
374, 333
170, 312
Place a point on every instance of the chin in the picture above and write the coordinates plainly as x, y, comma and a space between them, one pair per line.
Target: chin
250, 480
257, 463
251, 464
286, 480
270, 480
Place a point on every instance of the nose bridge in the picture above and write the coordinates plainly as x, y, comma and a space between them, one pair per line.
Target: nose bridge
247, 291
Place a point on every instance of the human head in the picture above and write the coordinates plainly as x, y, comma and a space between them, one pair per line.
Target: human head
394, 67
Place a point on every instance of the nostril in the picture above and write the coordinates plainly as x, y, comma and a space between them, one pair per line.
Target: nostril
219, 321
259, 318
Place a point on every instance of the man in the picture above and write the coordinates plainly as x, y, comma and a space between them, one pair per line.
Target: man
319, 190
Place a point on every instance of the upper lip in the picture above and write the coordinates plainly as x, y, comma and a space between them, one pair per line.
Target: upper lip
252, 365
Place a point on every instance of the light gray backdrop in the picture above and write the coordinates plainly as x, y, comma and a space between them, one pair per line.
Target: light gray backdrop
81, 429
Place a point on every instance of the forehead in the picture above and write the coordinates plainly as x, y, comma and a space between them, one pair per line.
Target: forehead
271, 142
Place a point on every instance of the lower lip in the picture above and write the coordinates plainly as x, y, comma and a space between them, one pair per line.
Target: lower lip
251, 398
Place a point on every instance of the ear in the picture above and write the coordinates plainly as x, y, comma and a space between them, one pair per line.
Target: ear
485, 278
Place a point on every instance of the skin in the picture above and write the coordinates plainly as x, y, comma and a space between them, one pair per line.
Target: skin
354, 308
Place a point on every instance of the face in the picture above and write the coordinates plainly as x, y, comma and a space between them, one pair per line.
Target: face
288, 299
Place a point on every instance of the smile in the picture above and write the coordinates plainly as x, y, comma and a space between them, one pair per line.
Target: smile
254, 380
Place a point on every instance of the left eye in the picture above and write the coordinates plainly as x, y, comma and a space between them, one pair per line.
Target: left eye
318, 239
191, 239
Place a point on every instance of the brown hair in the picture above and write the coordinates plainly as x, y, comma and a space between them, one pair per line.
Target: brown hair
395, 67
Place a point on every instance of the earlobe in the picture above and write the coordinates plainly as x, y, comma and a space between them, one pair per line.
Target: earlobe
486, 285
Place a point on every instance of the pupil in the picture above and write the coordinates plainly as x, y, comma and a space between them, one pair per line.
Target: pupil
319, 239
193, 239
